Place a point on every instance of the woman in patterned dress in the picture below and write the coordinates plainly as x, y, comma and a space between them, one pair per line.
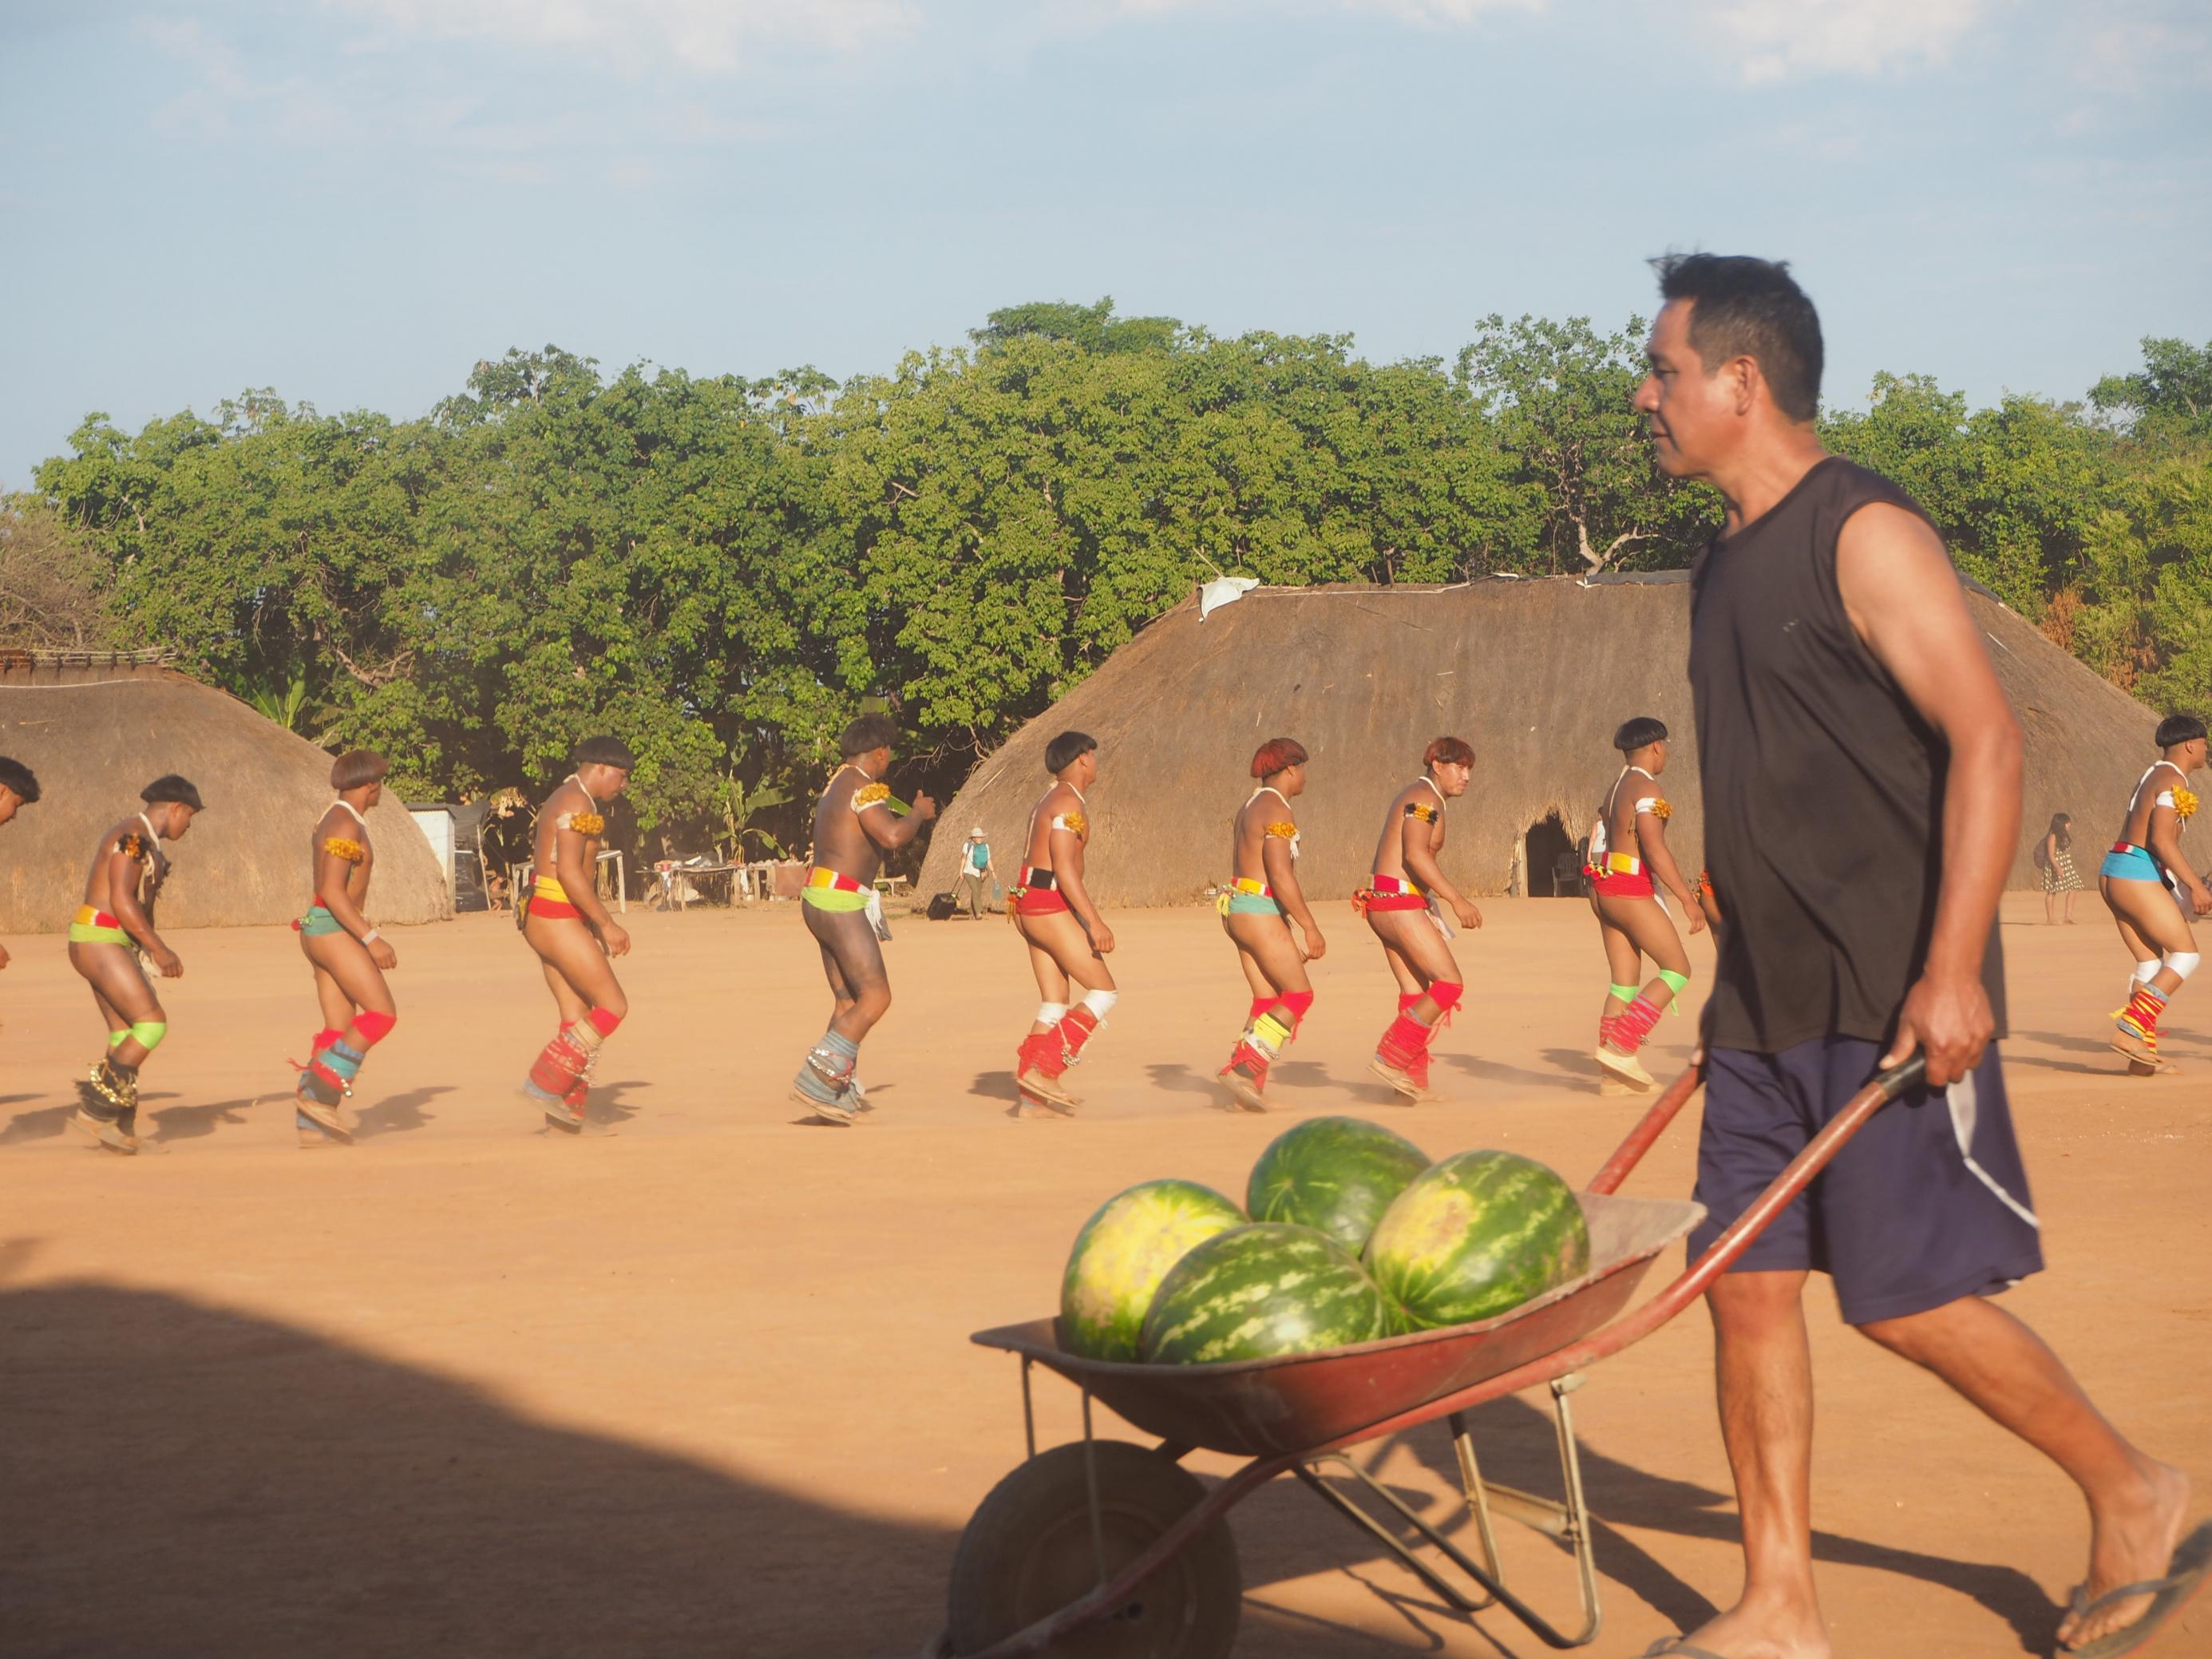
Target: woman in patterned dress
2057, 866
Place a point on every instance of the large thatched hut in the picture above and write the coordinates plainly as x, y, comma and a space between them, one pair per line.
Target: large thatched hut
1536, 674
98, 728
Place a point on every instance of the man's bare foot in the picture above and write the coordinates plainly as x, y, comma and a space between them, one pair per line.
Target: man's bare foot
2130, 1540
1764, 1627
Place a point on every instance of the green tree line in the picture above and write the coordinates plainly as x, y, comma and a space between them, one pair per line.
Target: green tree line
723, 570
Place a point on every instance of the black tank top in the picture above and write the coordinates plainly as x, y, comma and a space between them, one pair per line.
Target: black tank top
1824, 787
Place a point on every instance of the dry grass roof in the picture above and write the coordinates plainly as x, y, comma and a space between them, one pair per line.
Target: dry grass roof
98, 727
1536, 674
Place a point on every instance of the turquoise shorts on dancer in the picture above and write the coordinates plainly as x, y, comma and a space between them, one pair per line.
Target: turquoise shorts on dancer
1251, 904
2130, 863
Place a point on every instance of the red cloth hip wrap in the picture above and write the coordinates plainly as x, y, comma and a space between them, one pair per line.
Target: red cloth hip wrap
553, 908
1640, 885
1390, 902
1040, 902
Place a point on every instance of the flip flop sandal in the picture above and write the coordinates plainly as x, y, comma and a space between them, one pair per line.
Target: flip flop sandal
2191, 1560
1401, 1082
1247, 1098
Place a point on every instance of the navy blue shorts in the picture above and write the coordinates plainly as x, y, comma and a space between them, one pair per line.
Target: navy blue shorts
1898, 1221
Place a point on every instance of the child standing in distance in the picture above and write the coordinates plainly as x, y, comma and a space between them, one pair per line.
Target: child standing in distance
577, 940
855, 823
2055, 857
1627, 851
112, 927
1263, 890
1068, 940
1399, 902
2152, 890
349, 956
19, 787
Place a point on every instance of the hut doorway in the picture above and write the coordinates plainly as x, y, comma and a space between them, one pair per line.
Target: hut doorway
1549, 858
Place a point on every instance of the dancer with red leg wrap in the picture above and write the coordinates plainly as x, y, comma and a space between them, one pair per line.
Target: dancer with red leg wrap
349, 956
1068, 940
1400, 901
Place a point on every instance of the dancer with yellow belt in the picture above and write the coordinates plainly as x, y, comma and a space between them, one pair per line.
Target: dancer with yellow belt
349, 956
1400, 901
1263, 891
577, 940
19, 787
112, 929
2152, 890
1627, 851
856, 822
1068, 940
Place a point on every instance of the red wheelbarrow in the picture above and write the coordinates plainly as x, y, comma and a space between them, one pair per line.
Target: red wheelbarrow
1109, 1549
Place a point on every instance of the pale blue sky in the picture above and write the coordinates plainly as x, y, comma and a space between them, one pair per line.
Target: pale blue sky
353, 201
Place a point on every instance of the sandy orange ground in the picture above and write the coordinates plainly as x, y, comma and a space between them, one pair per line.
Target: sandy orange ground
703, 1387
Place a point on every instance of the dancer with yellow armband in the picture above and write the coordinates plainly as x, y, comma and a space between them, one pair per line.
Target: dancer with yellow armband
1628, 858
1068, 940
575, 939
1263, 890
349, 956
1403, 903
113, 925
2152, 890
856, 822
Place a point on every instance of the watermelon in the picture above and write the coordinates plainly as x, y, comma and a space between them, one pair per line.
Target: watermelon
1257, 1291
1475, 1234
1122, 1254
1338, 1174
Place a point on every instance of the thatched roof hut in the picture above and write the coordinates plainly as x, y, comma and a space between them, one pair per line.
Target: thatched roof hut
1536, 674
98, 727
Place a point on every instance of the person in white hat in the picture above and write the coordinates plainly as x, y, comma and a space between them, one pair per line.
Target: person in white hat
975, 869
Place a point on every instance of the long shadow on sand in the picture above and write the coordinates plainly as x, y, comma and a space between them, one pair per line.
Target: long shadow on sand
43, 1124
1283, 1533
190, 1479
1582, 1072
398, 1114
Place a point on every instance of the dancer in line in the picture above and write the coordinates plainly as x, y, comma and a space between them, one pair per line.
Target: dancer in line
349, 956
112, 929
1401, 902
19, 787
1850, 722
1068, 940
2152, 890
1263, 891
2054, 857
1627, 851
563, 921
856, 822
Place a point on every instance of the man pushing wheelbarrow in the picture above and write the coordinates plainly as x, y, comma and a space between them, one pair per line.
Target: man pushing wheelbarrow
1862, 774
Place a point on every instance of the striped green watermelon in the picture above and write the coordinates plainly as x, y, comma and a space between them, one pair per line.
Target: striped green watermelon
1253, 1293
1475, 1234
1122, 1254
1338, 1174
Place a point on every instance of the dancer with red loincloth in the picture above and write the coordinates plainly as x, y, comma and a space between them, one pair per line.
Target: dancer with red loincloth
1401, 903
1625, 897
2152, 890
112, 930
564, 922
350, 958
1069, 941
1262, 892
856, 822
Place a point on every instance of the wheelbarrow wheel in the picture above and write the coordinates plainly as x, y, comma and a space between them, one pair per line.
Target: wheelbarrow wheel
1028, 1552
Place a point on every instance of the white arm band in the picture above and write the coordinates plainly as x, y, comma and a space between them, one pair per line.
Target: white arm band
372, 936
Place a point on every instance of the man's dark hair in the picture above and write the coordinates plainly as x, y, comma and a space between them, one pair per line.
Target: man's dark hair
606, 751
876, 731
170, 787
357, 767
1064, 751
1634, 734
1449, 751
20, 779
1746, 308
2180, 728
